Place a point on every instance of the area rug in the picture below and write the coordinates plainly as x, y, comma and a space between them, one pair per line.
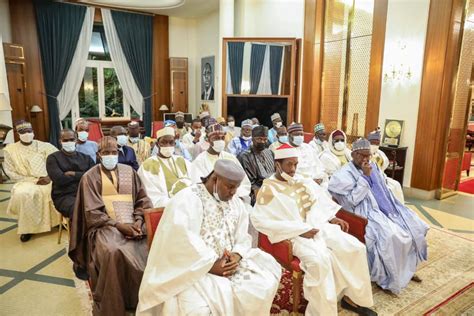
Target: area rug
447, 287
467, 186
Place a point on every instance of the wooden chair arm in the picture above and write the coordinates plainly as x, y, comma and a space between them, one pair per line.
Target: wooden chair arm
151, 225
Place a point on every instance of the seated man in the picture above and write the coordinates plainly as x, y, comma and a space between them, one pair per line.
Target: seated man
337, 155
212, 270
293, 207
309, 164
65, 169
319, 142
281, 138
241, 143
165, 173
277, 122
181, 127
179, 148
140, 146
257, 161
231, 130
107, 231
381, 160
84, 145
204, 163
126, 155
195, 142
395, 235
30, 202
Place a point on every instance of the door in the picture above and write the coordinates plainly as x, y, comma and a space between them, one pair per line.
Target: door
179, 84
16, 89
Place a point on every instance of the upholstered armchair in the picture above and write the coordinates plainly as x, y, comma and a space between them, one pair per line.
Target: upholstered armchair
283, 252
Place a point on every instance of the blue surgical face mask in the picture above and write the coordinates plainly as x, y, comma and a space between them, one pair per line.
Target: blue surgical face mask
298, 140
122, 140
82, 136
69, 147
110, 161
283, 139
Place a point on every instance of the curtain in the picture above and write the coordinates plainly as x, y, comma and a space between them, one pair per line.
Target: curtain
257, 56
135, 32
276, 53
236, 61
59, 26
68, 94
265, 86
124, 73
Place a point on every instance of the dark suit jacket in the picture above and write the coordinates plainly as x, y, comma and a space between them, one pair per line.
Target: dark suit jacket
211, 95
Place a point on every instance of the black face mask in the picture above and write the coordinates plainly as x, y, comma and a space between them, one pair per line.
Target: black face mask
180, 124
259, 146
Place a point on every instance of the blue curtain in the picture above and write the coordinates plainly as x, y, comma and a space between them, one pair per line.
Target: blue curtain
59, 26
135, 32
276, 53
236, 61
257, 56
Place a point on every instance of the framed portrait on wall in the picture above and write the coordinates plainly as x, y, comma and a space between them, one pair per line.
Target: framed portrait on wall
207, 78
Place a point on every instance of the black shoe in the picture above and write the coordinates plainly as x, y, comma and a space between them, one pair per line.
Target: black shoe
80, 272
25, 237
416, 279
358, 309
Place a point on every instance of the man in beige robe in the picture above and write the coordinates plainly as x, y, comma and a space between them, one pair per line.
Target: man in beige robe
108, 232
30, 203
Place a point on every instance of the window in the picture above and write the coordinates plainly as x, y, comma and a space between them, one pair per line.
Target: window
100, 95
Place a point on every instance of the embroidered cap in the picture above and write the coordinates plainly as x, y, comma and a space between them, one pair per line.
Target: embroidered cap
167, 131
275, 116
361, 144
228, 169
285, 151
319, 127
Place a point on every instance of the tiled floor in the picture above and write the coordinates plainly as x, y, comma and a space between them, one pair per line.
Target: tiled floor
36, 277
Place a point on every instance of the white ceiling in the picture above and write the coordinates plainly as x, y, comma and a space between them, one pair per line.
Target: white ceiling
178, 8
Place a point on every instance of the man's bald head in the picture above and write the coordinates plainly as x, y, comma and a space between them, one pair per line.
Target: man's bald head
117, 130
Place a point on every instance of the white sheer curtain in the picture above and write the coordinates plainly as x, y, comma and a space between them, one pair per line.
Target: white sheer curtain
68, 94
264, 86
125, 77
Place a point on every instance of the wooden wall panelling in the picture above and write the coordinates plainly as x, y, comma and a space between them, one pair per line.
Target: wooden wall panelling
376, 65
442, 49
312, 63
24, 33
161, 66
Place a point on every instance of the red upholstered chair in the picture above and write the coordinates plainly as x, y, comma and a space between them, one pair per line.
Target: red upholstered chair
283, 252
156, 126
95, 130
308, 137
152, 219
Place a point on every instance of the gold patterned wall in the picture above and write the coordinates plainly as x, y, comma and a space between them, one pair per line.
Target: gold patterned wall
346, 64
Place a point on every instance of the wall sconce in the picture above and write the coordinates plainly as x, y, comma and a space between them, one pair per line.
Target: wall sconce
164, 107
399, 71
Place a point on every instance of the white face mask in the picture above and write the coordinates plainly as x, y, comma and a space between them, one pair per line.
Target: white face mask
69, 147
134, 140
231, 124
27, 137
246, 137
215, 194
340, 146
283, 139
122, 140
374, 149
286, 176
298, 140
218, 146
318, 141
166, 151
110, 161
278, 124
82, 136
